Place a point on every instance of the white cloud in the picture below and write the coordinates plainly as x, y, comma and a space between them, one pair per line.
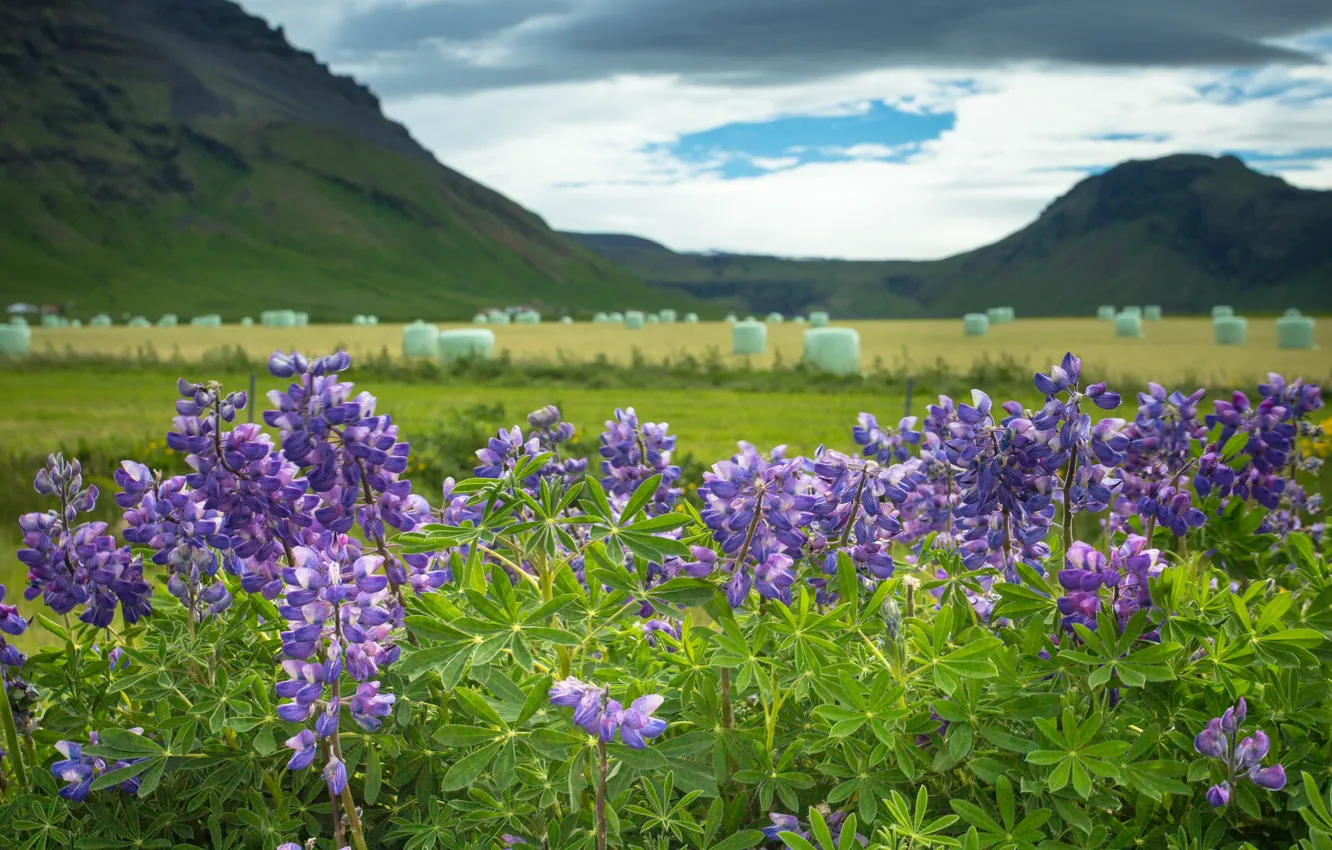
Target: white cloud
593, 156
575, 153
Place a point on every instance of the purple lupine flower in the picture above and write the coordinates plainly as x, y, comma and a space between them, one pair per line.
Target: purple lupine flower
790, 823
78, 770
71, 565
512, 840
881, 445
632, 453
783, 823
655, 625
599, 716
341, 614
13, 624
1242, 758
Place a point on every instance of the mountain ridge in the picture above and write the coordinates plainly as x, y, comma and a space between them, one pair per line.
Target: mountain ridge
181, 156
1185, 231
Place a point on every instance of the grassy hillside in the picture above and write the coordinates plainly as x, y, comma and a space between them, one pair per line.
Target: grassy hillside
180, 156
1185, 232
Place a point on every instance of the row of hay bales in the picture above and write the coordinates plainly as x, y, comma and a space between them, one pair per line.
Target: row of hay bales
978, 324
362, 319
835, 350
420, 339
284, 319
1294, 330
1109, 313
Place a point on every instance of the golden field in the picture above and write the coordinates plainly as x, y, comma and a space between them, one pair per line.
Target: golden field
1178, 350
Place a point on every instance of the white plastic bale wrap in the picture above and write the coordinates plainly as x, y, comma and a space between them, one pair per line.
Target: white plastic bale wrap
15, 340
101, 320
358, 319
749, 337
140, 322
818, 319
691, 318
600, 319
731, 319
1000, 315
466, 343
616, 317
799, 320
372, 320
1128, 325
835, 350
480, 319
1131, 311
1295, 332
302, 319
247, 321
1106, 312
499, 317
75, 323
1293, 311
667, 316
773, 318
1152, 312
284, 319
1230, 330
652, 319
1221, 310
975, 324
566, 320
50, 320
529, 317
419, 340
750, 319
634, 320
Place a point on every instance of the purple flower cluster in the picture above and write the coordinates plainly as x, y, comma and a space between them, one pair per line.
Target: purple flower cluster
340, 614
883, 446
71, 565
1125, 575
78, 770
632, 453
790, 823
603, 718
12, 624
1241, 758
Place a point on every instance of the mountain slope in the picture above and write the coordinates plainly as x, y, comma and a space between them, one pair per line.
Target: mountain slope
1184, 231
180, 156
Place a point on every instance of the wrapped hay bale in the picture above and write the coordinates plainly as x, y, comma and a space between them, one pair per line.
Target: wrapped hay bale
302, 319
750, 319
247, 322
499, 317
480, 319
799, 320
1152, 312
749, 337
284, 318
101, 320
1230, 330
835, 350
818, 319
731, 319
1292, 311
1131, 311
50, 320
420, 340
653, 319
1000, 315
667, 317
566, 320
1221, 311
139, 322
466, 344
773, 318
1106, 312
616, 317
1128, 325
15, 340
372, 320
691, 318
528, 317
75, 323
634, 320
600, 319
1295, 332
358, 319
976, 324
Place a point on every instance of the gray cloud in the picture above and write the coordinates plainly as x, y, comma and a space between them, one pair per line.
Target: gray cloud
778, 41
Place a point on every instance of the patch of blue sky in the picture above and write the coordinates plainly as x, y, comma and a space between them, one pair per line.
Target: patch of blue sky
866, 130
1300, 159
1131, 137
1247, 84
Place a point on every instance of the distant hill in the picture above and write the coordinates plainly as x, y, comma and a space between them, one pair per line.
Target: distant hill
180, 156
1185, 231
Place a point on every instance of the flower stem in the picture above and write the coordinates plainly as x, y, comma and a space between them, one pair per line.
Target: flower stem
1068, 498
11, 733
601, 796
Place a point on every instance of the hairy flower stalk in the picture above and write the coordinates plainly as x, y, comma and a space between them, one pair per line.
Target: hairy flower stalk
13, 624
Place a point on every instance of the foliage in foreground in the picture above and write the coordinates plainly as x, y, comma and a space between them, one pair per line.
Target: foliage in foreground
909, 648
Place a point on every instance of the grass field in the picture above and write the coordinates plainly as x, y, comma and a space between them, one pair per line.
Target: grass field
1176, 351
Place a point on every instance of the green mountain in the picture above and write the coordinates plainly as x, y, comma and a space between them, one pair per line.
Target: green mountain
1184, 231
180, 156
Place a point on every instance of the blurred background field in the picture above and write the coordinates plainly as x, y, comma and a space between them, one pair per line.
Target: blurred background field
1173, 350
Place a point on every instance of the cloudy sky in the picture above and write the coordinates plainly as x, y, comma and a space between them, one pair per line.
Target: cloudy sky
862, 129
